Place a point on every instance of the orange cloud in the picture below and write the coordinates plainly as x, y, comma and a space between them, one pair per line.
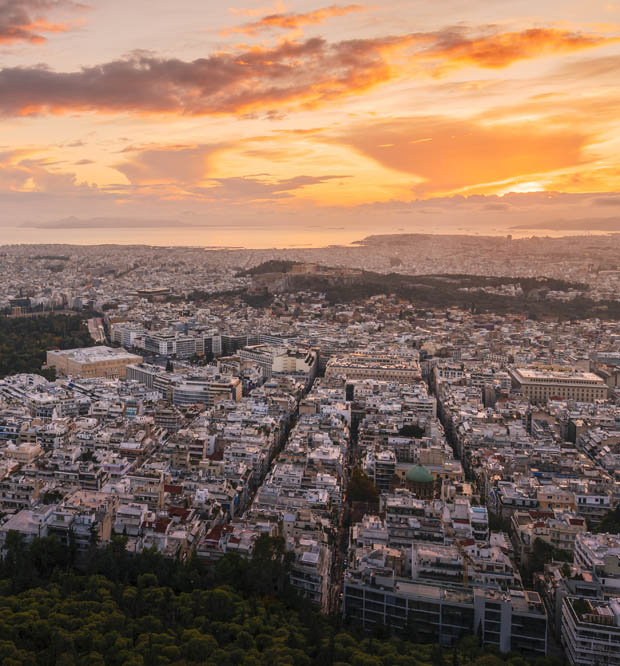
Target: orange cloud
449, 155
291, 75
13, 174
24, 20
20, 171
294, 21
500, 50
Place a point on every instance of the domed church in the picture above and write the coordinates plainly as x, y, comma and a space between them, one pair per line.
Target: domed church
420, 481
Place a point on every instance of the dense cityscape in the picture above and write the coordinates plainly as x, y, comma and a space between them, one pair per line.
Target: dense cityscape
309, 333
432, 472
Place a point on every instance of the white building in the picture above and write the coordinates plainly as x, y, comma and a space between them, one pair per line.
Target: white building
591, 631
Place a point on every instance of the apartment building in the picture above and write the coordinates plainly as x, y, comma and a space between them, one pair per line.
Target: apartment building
514, 620
591, 631
309, 573
599, 555
206, 391
374, 365
277, 359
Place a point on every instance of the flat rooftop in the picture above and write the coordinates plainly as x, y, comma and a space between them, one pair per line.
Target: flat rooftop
559, 375
95, 354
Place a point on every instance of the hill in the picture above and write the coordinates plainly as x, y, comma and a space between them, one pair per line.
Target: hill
271, 266
477, 293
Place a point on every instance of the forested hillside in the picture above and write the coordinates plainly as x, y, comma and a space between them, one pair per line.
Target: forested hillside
125, 610
477, 293
24, 340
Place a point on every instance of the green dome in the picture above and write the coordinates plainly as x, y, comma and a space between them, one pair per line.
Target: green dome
418, 474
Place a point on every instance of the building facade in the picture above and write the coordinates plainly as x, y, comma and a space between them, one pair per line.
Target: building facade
97, 361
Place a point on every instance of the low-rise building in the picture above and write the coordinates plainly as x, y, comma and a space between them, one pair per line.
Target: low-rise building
97, 361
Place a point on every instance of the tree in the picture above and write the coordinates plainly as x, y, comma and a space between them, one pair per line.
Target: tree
581, 607
610, 522
14, 551
270, 564
361, 488
498, 523
25, 340
51, 497
48, 373
145, 609
437, 657
543, 553
93, 537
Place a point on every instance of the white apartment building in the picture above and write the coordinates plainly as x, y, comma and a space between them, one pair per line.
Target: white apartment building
591, 631
599, 554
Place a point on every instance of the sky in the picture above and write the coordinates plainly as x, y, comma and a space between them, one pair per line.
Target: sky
306, 123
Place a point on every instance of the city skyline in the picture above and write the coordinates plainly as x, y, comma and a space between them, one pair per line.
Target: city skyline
305, 123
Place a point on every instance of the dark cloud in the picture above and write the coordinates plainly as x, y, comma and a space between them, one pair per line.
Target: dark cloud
26, 20
291, 73
300, 74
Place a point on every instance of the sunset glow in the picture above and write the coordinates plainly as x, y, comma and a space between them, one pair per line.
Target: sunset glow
205, 113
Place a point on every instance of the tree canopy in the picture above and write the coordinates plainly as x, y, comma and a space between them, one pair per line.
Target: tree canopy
24, 341
610, 522
143, 610
361, 488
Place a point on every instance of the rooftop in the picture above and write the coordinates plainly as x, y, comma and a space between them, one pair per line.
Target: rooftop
96, 354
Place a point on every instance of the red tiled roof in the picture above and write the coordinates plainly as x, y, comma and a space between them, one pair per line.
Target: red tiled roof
179, 511
161, 525
215, 533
